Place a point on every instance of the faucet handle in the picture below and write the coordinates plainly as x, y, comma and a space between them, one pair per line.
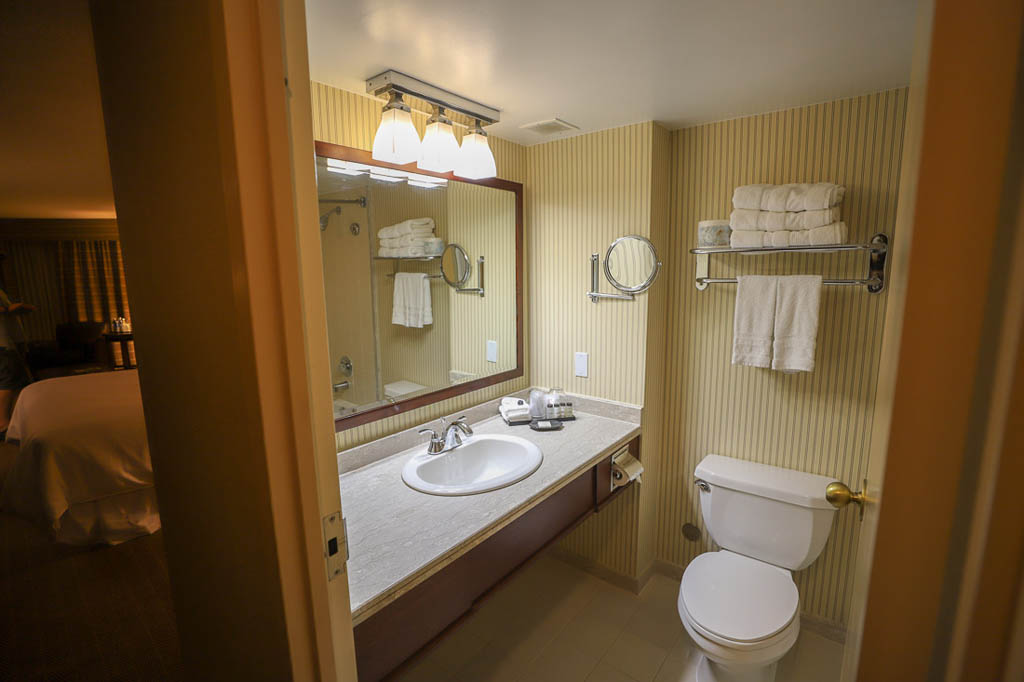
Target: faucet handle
436, 445
464, 425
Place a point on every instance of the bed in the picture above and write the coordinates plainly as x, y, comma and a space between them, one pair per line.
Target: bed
82, 467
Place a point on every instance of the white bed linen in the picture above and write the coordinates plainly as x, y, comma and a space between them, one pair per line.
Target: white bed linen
83, 466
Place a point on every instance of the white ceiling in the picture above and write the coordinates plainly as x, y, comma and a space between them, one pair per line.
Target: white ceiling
600, 64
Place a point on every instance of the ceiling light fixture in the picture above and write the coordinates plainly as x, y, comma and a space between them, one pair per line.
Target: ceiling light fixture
426, 185
385, 178
439, 149
476, 161
437, 152
396, 140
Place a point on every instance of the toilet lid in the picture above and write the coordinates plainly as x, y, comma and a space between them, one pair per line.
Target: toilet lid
737, 597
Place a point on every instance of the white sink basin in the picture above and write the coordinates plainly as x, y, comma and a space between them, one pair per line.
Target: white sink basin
480, 464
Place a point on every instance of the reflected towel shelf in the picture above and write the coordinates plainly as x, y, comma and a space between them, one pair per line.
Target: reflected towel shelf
421, 258
877, 251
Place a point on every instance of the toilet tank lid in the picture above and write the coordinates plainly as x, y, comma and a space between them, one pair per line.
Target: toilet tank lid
785, 485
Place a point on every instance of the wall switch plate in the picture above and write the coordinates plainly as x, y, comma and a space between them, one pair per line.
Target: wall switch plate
492, 351
582, 364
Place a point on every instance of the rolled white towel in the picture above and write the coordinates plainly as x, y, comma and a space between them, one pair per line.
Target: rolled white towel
745, 239
829, 234
778, 238
800, 238
385, 252
748, 196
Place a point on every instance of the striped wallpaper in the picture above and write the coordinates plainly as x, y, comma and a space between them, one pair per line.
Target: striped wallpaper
351, 119
483, 221
584, 192
818, 422
410, 354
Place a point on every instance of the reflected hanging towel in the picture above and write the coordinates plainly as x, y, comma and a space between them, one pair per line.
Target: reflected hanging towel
411, 302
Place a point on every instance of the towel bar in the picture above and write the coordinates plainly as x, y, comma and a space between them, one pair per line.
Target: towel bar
877, 250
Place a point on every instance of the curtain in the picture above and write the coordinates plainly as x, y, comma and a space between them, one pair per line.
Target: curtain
93, 283
31, 274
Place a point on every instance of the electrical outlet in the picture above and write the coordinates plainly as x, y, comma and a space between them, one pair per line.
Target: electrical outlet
492, 351
582, 364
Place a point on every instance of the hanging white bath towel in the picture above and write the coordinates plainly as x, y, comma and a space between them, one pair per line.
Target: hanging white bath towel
411, 303
796, 323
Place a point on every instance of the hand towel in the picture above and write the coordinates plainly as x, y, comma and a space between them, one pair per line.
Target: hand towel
778, 239
411, 301
754, 320
515, 415
508, 401
745, 239
829, 234
796, 323
748, 196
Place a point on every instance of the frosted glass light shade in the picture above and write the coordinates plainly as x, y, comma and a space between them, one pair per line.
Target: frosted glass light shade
396, 140
439, 150
475, 161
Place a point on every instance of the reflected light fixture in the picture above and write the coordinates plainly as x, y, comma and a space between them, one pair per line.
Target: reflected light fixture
396, 140
439, 150
475, 161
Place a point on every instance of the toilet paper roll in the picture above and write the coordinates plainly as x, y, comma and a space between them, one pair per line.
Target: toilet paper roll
625, 468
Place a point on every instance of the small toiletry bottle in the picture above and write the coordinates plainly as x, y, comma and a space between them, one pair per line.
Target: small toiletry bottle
550, 413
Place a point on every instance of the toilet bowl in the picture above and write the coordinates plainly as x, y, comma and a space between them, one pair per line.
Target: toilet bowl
740, 605
741, 614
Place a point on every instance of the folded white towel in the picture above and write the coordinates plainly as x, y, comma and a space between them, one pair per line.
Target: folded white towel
407, 240
515, 415
412, 252
802, 197
411, 305
829, 234
748, 196
778, 239
421, 226
745, 239
387, 252
800, 238
753, 320
795, 330
514, 402
749, 219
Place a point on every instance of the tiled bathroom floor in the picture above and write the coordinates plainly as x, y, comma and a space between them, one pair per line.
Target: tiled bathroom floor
553, 622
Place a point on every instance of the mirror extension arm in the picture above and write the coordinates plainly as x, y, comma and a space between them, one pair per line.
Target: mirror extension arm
480, 280
595, 282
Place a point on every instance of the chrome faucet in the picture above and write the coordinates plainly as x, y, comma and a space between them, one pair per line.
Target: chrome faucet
450, 436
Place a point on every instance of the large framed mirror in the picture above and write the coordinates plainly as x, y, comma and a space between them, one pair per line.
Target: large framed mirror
401, 248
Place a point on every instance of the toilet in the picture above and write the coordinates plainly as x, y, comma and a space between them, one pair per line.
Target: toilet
740, 604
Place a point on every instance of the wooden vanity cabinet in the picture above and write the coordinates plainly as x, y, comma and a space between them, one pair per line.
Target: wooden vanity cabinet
394, 633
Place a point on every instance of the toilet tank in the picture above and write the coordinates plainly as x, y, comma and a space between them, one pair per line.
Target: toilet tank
779, 516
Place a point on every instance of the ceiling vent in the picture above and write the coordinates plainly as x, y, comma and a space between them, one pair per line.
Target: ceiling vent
549, 127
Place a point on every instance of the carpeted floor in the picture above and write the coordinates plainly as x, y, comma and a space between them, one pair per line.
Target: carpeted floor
84, 614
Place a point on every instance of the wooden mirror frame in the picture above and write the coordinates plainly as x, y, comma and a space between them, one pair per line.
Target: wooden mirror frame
342, 153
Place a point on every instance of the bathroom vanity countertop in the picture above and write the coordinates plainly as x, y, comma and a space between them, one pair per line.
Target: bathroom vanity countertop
399, 537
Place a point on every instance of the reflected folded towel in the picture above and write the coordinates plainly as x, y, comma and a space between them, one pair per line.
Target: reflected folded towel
433, 246
745, 239
754, 318
796, 323
829, 234
418, 226
411, 305
407, 240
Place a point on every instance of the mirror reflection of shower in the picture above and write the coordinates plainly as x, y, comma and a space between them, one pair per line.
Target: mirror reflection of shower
326, 217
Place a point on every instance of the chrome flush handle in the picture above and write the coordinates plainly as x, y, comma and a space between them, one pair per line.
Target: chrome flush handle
703, 485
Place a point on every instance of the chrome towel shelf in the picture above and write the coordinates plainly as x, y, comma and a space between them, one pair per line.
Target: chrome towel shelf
877, 251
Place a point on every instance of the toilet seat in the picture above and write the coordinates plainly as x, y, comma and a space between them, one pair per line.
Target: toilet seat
736, 601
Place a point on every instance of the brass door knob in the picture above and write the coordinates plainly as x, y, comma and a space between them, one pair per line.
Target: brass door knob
839, 495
